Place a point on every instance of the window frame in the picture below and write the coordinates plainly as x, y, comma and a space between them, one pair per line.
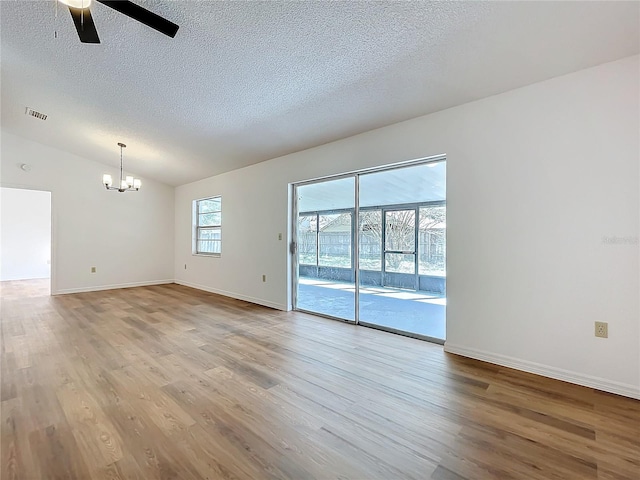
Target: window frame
197, 228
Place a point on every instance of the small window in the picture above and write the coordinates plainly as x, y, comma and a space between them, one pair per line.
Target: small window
208, 226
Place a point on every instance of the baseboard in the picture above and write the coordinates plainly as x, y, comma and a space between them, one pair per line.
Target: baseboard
98, 288
237, 296
246, 298
598, 383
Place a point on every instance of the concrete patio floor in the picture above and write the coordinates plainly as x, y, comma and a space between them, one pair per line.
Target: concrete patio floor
417, 312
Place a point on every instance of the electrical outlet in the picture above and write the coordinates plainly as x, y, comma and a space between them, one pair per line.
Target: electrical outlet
93, 269
264, 278
602, 329
185, 266
279, 236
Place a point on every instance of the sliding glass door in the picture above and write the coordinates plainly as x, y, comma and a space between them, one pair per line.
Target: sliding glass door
405, 208
325, 246
370, 248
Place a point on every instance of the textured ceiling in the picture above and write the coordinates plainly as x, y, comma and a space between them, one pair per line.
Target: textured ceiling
247, 81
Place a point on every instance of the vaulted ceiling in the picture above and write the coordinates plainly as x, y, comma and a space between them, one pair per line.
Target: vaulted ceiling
246, 81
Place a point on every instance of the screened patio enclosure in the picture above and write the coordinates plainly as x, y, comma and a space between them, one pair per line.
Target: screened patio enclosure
385, 268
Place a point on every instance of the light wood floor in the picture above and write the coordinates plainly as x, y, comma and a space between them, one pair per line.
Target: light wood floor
168, 382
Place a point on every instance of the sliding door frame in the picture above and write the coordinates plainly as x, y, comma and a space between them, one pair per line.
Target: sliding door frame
355, 247
293, 248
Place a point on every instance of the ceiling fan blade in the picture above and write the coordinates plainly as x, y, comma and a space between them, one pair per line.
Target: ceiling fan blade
84, 25
143, 15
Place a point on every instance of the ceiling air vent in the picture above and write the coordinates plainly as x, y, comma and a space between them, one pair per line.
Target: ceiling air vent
33, 113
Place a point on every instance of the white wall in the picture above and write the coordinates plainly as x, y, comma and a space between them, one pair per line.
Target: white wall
128, 236
25, 234
537, 180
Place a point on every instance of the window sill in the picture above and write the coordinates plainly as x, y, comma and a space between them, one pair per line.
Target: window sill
215, 255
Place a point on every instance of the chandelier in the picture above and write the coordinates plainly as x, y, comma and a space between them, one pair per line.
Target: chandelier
127, 183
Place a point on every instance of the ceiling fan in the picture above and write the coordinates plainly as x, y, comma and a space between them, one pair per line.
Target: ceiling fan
87, 30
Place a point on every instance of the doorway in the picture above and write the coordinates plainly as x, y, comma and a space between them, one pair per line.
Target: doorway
25, 242
399, 237
387, 269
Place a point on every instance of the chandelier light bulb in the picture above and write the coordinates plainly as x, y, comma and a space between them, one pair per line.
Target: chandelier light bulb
137, 183
77, 3
107, 180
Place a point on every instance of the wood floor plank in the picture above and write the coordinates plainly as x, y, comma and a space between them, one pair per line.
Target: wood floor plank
15, 448
56, 450
147, 448
163, 411
8, 371
95, 434
168, 382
